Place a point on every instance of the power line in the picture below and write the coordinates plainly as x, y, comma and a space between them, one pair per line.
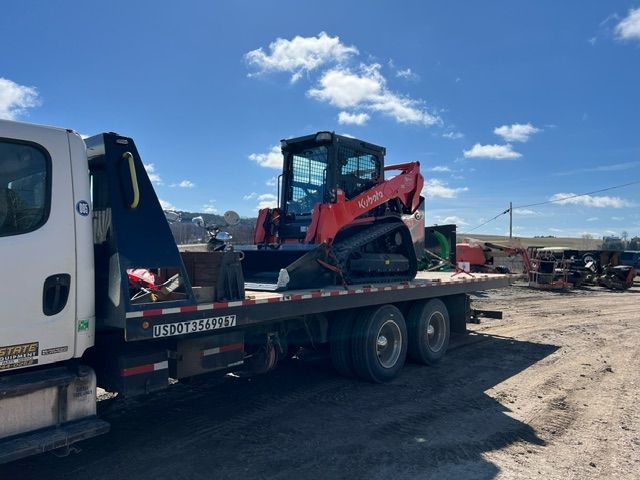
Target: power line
556, 200
562, 199
483, 224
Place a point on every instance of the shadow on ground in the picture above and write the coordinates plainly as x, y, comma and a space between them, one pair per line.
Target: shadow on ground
304, 421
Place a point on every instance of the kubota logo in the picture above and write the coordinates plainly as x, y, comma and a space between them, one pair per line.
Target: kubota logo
371, 198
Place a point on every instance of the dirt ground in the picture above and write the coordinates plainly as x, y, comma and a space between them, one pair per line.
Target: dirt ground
551, 391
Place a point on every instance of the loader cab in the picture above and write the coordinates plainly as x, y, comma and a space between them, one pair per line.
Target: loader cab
315, 167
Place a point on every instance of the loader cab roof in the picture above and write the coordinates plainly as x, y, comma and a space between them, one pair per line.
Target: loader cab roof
326, 137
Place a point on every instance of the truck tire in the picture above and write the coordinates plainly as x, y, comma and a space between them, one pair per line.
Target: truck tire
429, 331
379, 344
340, 344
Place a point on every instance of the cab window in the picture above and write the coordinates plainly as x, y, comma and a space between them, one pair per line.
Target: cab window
358, 171
24, 187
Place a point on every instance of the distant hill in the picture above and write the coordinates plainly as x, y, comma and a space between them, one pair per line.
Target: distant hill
569, 242
185, 232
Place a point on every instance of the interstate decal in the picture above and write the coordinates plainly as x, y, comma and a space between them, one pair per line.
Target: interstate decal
20, 355
193, 326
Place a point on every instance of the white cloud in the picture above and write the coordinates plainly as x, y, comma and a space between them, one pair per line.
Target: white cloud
437, 188
592, 219
617, 219
613, 167
407, 74
589, 200
454, 219
518, 132
367, 89
272, 182
152, 174
300, 54
492, 151
440, 168
167, 205
250, 196
210, 207
184, 184
629, 27
346, 118
525, 212
267, 200
15, 99
271, 159
345, 89
453, 135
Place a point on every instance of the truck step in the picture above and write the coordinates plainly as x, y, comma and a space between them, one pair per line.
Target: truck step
52, 438
24, 383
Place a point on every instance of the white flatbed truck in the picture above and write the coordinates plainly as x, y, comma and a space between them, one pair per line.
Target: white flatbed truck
76, 216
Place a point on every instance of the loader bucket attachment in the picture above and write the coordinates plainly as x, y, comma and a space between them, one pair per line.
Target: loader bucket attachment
288, 269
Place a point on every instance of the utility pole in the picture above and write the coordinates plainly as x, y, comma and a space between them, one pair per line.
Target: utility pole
510, 221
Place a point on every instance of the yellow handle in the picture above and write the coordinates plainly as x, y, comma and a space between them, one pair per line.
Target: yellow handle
134, 180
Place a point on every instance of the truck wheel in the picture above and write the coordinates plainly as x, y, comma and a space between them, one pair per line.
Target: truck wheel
340, 344
379, 344
428, 326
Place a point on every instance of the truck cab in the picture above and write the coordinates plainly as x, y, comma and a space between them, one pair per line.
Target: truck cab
46, 246
47, 296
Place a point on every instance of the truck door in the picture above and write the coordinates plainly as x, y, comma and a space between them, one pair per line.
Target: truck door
37, 246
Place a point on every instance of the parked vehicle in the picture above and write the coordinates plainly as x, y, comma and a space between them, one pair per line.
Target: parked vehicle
97, 293
630, 258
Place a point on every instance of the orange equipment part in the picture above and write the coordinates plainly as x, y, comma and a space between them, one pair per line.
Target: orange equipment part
474, 254
329, 218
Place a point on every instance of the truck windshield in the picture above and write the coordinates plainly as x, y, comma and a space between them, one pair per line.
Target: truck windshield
308, 174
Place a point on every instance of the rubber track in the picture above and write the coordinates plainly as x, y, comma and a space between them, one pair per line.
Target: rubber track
342, 250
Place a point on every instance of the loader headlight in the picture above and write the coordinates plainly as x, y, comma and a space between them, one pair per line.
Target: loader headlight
323, 137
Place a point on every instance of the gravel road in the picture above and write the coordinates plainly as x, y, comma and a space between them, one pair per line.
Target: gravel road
551, 391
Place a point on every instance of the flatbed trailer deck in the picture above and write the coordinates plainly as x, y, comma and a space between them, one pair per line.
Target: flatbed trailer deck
263, 307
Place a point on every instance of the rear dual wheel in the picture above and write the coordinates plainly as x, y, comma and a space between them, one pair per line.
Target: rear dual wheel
379, 344
429, 331
373, 344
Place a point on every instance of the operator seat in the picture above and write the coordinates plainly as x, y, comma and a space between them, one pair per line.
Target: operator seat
353, 185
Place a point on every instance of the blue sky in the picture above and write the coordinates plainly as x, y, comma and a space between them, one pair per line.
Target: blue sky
500, 101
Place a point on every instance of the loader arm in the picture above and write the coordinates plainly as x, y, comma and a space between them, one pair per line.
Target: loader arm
330, 218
